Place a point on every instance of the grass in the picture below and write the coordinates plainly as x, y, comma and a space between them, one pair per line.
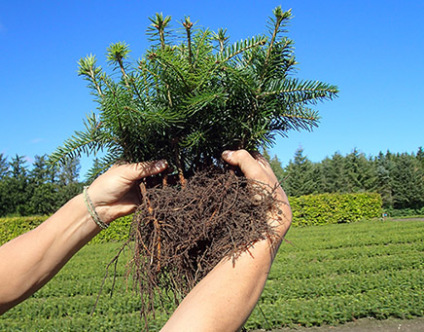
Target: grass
326, 275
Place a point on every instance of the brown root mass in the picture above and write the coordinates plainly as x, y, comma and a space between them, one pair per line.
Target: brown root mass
181, 233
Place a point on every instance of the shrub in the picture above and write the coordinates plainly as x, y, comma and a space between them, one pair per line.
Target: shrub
307, 210
15, 226
119, 230
335, 208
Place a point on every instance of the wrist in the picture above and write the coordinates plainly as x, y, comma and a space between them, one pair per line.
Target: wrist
280, 218
111, 205
76, 224
91, 208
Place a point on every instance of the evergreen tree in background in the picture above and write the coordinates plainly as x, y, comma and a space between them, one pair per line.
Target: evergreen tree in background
359, 172
40, 172
18, 167
335, 174
420, 156
68, 183
317, 178
44, 199
17, 185
279, 172
4, 166
41, 190
69, 171
408, 183
299, 176
275, 164
384, 183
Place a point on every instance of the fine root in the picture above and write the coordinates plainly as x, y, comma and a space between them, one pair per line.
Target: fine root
181, 232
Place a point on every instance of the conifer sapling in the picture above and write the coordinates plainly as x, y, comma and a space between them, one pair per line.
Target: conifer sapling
189, 98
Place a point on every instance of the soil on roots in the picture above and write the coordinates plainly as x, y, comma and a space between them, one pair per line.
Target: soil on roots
181, 233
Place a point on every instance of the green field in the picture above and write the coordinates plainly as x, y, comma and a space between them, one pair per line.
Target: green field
325, 275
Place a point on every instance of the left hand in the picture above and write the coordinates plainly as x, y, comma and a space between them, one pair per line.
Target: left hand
115, 193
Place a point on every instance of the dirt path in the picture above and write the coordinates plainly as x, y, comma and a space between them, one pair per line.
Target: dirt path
365, 325
405, 219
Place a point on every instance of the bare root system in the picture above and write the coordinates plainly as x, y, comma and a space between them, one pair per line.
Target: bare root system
182, 232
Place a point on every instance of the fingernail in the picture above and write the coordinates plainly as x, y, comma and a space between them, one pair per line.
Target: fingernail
161, 164
227, 153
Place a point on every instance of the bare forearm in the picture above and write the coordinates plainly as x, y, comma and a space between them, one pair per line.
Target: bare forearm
31, 260
224, 299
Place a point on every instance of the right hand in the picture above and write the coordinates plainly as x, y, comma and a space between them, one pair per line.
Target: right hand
255, 166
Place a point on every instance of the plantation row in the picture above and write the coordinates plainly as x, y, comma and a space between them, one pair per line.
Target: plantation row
336, 273
324, 274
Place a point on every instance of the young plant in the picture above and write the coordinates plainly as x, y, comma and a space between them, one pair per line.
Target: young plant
189, 98
192, 95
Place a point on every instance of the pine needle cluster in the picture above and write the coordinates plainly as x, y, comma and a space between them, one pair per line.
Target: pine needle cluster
193, 95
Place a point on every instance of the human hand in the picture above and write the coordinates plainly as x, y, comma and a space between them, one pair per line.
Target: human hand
116, 193
254, 166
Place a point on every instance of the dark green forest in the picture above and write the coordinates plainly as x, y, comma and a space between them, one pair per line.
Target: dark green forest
40, 188
37, 189
397, 177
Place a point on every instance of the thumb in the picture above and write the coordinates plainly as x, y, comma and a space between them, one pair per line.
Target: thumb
243, 159
141, 170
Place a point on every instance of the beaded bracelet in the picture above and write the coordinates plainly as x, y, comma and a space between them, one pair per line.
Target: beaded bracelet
92, 210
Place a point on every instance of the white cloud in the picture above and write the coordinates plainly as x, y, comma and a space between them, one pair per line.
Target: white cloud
36, 140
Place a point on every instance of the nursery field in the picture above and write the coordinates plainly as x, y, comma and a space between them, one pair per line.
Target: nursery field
328, 274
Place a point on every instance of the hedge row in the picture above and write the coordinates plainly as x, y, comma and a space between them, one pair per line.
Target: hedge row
307, 210
15, 226
335, 208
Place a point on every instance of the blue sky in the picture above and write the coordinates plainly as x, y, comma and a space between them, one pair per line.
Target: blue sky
372, 50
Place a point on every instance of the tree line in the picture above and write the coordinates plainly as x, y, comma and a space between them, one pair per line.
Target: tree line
40, 189
397, 177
